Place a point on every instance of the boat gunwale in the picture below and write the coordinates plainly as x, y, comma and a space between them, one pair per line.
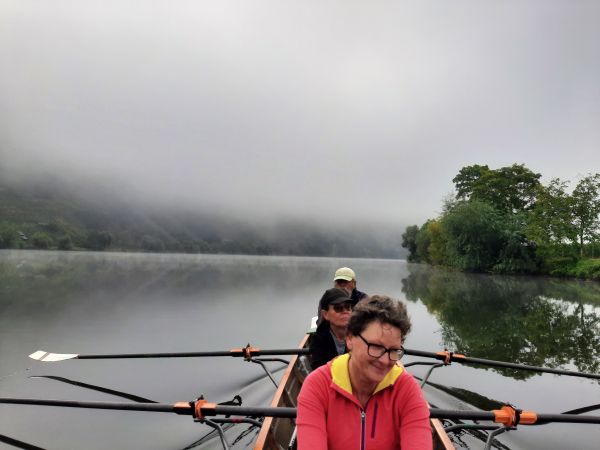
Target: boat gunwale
266, 426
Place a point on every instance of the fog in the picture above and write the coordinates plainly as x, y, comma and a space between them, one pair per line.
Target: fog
328, 112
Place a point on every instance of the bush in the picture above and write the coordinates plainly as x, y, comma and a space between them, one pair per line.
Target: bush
587, 269
8, 235
41, 240
65, 243
98, 240
559, 266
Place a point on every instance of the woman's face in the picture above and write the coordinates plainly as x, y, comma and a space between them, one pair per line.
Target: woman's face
341, 318
373, 369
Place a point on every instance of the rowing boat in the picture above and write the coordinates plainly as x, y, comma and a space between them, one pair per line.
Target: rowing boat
280, 433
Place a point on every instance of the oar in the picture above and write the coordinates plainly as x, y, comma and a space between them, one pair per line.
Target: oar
449, 357
246, 352
18, 444
198, 408
135, 398
506, 415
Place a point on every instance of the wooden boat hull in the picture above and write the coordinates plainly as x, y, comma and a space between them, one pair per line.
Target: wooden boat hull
280, 434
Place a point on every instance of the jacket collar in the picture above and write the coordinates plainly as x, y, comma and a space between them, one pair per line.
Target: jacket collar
340, 374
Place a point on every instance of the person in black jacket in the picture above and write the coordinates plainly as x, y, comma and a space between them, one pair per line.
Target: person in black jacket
329, 340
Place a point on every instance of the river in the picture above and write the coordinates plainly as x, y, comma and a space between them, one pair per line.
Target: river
81, 302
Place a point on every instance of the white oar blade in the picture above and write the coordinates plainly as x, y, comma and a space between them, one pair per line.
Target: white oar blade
44, 356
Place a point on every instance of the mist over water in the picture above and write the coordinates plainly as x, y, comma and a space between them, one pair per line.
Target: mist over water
126, 303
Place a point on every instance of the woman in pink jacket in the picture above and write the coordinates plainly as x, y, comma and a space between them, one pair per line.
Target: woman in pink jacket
365, 399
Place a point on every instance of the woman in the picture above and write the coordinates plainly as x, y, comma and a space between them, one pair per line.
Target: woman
329, 340
365, 399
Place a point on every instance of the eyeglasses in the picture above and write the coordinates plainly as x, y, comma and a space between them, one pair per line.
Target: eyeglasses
377, 351
341, 307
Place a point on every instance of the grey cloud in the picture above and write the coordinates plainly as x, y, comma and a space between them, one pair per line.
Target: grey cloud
297, 109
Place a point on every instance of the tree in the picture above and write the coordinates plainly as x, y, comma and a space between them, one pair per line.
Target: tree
41, 240
65, 243
475, 235
98, 240
466, 180
409, 241
437, 250
508, 189
8, 235
549, 222
585, 210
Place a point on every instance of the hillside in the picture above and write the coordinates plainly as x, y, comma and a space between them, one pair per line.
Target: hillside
50, 215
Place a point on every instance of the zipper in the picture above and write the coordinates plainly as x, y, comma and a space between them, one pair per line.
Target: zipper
363, 428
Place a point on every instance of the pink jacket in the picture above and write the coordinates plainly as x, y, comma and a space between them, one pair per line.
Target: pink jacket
331, 418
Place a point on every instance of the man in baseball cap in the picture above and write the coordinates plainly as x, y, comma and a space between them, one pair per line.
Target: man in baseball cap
345, 279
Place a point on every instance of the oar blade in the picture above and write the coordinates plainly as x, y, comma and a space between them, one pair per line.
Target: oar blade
44, 356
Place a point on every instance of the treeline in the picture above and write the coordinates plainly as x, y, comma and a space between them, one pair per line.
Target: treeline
506, 221
40, 217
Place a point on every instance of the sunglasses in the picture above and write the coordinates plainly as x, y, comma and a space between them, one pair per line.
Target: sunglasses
341, 307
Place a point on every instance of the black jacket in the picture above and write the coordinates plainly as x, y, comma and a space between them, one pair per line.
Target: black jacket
322, 347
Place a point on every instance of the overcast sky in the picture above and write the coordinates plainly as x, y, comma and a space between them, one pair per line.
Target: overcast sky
356, 110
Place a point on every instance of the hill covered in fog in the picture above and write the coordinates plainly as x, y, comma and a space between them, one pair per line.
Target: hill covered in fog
51, 213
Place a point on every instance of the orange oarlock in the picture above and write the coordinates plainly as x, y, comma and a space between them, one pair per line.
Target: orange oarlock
198, 405
449, 356
246, 352
509, 416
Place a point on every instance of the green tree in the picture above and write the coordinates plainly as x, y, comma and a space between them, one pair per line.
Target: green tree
409, 241
517, 254
475, 235
41, 240
8, 235
509, 189
98, 240
437, 250
585, 210
65, 243
549, 222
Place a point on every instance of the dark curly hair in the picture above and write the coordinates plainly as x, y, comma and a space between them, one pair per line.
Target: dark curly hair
379, 308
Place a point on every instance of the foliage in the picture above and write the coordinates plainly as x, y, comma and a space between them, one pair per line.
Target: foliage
98, 240
8, 235
585, 210
549, 220
409, 241
65, 243
504, 220
41, 240
475, 236
508, 189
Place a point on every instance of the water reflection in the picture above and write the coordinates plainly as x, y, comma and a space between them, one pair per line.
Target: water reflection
536, 321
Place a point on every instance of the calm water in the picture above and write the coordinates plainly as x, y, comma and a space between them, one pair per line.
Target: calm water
110, 303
